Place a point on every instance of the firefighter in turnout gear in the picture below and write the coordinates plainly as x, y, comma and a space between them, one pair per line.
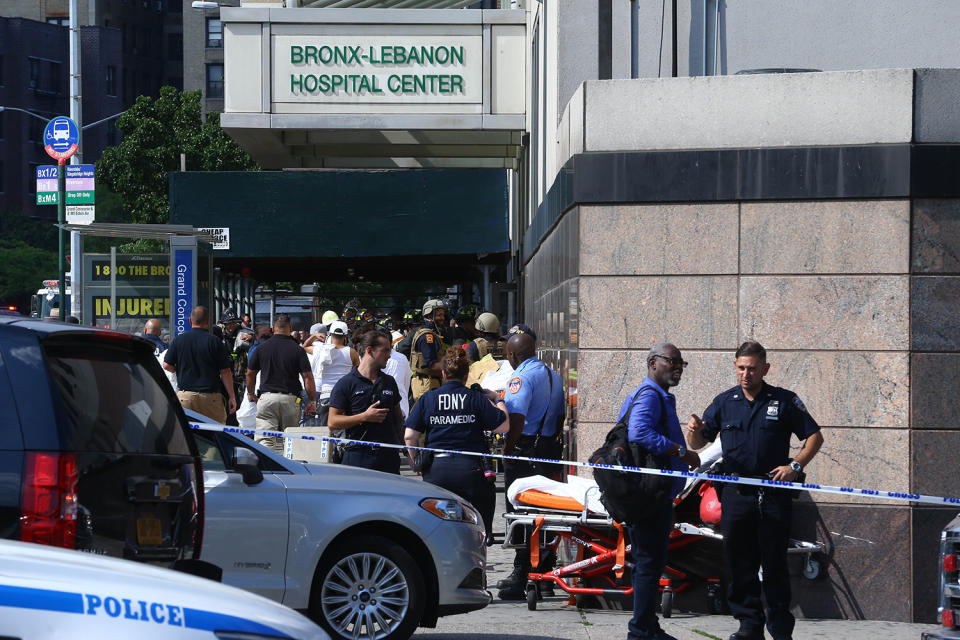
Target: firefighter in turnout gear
489, 341
427, 348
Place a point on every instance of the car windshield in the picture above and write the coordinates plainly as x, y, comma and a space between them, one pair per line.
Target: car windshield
112, 401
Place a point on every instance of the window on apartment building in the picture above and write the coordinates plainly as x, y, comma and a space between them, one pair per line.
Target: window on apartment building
55, 81
1, 177
34, 129
60, 21
111, 81
1, 125
175, 46
175, 6
215, 81
34, 73
214, 33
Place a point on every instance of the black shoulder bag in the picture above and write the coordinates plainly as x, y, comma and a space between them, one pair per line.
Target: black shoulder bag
628, 496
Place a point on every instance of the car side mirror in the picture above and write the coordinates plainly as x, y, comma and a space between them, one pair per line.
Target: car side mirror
247, 463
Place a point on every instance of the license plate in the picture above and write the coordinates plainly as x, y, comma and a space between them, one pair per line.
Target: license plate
149, 531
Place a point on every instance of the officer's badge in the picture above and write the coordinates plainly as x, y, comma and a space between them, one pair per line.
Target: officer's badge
429, 337
514, 385
773, 410
799, 403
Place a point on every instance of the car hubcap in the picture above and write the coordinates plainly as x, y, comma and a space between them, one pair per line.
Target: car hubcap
365, 595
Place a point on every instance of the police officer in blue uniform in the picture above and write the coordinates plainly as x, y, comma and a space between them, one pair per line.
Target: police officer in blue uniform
754, 421
454, 417
366, 404
535, 400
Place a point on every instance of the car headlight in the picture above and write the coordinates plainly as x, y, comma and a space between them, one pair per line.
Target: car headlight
451, 510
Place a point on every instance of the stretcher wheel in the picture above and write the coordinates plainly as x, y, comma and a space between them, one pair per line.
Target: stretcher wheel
715, 601
666, 604
532, 597
811, 568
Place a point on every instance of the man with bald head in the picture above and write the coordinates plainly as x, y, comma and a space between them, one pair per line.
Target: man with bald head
535, 400
652, 423
151, 331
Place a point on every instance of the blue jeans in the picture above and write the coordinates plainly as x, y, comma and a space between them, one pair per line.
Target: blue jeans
648, 551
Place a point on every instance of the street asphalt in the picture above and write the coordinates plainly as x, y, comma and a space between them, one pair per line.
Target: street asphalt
554, 619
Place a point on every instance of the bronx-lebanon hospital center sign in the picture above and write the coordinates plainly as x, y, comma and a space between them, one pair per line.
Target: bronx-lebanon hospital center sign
378, 69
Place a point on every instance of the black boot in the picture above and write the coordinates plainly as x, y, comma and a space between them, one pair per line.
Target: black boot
518, 576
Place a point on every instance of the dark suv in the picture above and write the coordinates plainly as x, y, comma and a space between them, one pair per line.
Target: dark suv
95, 450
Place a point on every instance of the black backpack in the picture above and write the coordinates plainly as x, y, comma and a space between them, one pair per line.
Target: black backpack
628, 496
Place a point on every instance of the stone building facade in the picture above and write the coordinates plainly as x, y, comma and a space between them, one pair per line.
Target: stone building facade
786, 209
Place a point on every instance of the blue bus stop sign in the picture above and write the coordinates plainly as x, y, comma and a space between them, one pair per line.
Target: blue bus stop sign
61, 138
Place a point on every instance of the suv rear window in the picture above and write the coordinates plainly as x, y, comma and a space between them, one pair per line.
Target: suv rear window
112, 401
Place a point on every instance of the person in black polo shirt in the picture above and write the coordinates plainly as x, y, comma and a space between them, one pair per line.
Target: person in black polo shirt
202, 365
366, 404
282, 362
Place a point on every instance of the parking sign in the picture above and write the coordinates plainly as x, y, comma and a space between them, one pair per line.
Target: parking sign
61, 138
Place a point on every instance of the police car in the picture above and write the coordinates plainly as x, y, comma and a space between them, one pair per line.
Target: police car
366, 554
55, 593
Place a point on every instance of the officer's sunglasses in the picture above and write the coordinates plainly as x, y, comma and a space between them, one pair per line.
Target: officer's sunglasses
674, 362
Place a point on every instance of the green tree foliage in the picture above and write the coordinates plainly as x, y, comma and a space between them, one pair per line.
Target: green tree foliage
155, 132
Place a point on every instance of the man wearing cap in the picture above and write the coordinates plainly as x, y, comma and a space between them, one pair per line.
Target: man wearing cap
535, 400
330, 361
283, 362
427, 345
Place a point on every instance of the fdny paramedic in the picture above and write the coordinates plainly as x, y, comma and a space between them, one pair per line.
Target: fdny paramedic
427, 347
454, 417
754, 421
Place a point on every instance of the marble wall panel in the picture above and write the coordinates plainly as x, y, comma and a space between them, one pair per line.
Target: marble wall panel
868, 562
935, 313
847, 388
936, 236
934, 389
606, 377
638, 312
934, 460
826, 312
658, 239
861, 458
853, 236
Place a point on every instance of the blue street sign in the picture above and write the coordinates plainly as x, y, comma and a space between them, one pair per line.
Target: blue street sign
183, 276
61, 138
79, 170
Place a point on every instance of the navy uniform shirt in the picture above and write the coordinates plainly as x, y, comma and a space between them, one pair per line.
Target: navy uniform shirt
756, 436
535, 392
352, 395
454, 417
427, 345
280, 361
198, 357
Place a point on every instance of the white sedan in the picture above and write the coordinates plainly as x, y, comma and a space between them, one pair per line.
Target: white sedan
366, 554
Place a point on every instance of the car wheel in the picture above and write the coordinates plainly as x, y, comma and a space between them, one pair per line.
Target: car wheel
368, 588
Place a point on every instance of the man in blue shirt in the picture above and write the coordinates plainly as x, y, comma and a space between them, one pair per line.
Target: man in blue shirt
654, 425
535, 400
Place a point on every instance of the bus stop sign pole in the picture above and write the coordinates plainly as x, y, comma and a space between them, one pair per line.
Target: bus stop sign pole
61, 139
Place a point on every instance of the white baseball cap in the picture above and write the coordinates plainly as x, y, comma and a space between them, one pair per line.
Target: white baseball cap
338, 328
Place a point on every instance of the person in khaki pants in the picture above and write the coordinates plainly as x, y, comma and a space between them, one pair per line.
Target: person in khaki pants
282, 362
203, 368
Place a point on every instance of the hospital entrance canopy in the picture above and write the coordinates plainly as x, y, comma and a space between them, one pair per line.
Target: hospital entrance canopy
363, 86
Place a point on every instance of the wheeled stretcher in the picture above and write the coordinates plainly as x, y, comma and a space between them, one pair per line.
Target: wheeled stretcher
568, 519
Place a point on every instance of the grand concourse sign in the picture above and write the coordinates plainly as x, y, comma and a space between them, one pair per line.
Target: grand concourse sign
371, 88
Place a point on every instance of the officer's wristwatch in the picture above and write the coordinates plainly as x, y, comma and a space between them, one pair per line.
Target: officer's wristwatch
682, 451
796, 466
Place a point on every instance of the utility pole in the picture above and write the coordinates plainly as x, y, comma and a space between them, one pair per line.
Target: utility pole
76, 114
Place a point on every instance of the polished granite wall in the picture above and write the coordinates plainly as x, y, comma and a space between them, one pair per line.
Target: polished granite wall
858, 303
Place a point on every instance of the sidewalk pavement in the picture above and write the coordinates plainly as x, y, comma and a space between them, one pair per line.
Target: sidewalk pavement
555, 620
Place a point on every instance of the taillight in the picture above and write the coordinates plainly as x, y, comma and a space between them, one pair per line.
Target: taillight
948, 618
949, 562
50, 499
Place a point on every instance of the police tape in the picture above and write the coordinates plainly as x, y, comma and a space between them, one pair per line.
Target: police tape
871, 494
